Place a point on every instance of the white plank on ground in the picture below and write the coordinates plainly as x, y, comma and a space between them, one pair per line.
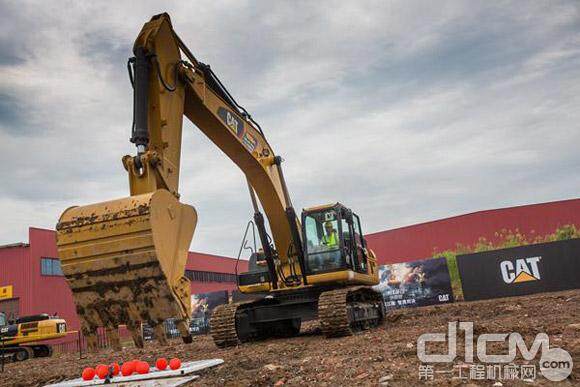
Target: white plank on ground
187, 368
167, 382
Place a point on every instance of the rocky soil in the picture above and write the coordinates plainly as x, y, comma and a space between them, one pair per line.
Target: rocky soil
383, 356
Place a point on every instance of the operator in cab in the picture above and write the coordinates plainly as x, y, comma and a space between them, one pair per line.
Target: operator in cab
330, 238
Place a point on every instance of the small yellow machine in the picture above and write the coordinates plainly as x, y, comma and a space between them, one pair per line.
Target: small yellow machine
20, 338
124, 259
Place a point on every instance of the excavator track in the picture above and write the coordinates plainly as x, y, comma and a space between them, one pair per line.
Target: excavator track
343, 311
340, 312
332, 312
223, 325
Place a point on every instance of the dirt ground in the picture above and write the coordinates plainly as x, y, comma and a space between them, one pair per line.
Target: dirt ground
384, 356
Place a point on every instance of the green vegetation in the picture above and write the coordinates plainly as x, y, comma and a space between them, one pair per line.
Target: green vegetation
503, 239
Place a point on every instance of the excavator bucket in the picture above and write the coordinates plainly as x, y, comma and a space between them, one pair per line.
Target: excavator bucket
125, 263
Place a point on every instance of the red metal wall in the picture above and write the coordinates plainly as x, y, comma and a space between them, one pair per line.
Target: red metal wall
14, 270
48, 294
216, 264
422, 240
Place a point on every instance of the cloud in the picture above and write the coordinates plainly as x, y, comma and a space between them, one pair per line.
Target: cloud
406, 112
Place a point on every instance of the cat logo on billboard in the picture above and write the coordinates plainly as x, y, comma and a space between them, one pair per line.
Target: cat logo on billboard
522, 270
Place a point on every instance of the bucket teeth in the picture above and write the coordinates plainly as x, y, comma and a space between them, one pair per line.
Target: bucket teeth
136, 333
183, 328
159, 331
113, 336
124, 261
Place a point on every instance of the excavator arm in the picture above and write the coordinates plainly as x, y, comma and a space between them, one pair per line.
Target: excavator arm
125, 259
188, 87
210, 107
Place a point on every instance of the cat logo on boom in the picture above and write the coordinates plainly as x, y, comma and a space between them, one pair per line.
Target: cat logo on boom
522, 270
231, 121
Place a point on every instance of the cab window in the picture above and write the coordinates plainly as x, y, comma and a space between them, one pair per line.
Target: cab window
323, 240
311, 232
322, 231
359, 243
357, 235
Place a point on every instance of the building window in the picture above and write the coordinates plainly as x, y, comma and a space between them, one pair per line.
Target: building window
50, 266
208, 276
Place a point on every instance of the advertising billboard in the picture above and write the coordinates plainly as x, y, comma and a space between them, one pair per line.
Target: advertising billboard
517, 271
417, 283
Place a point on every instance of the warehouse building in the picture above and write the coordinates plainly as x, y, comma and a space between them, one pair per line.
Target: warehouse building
423, 240
31, 280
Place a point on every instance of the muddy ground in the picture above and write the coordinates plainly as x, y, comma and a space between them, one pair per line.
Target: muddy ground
383, 356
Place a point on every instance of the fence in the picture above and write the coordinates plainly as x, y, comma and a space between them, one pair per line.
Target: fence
77, 342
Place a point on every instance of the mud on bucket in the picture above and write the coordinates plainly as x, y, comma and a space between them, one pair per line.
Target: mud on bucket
124, 261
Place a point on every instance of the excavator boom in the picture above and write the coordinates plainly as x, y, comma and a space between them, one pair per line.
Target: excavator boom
125, 259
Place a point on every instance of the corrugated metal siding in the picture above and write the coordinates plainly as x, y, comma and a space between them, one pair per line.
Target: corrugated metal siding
14, 269
421, 240
204, 287
50, 294
214, 263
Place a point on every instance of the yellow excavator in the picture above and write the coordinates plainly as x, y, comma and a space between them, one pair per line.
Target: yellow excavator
22, 338
124, 259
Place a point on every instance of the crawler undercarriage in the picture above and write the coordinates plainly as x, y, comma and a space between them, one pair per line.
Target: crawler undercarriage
341, 311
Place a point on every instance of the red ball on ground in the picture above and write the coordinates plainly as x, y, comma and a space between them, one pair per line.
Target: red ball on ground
142, 367
174, 363
115, 367
127, 368
161, 363
102, 371
88, 373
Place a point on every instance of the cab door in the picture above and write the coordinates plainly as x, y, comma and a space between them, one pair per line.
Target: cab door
353, 243
359, 246
349, 250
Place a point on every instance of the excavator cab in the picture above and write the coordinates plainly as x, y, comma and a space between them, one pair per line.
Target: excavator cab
333, 242
337, 272
334, 250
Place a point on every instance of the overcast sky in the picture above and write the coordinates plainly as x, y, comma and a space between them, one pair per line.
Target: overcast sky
404, 111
